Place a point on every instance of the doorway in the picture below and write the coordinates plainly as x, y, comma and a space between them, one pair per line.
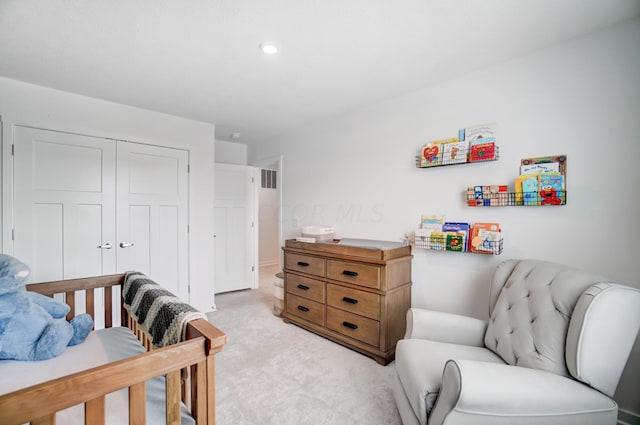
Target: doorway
270, 216
235, 228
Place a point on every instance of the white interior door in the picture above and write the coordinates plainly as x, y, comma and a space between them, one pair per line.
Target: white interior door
64, 205
152, 214
64, 195
234, 227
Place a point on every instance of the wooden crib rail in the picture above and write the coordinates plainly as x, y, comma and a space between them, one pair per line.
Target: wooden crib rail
39, 403
196, 357
88, 285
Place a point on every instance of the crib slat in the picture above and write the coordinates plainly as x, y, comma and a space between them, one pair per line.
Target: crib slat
94, 411
198, 392
89, 303
70, 300
173, 397
137, 406
108, 300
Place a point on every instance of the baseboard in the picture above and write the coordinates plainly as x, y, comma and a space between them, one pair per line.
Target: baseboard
269, 263
626, 417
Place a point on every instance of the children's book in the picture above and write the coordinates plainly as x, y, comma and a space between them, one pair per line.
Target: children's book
547, 167
458, 229
530, 190
432, 154
484, 131
437, 241
482, 150
455, 242
455, 152
432, 222
485, 238
526, 189
552, 189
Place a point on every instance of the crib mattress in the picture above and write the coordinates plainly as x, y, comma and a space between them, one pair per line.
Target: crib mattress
101, 347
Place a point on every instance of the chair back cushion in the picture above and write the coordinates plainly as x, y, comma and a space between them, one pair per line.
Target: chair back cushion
531, 304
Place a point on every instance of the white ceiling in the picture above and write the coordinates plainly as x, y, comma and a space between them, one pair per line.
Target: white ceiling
200, 59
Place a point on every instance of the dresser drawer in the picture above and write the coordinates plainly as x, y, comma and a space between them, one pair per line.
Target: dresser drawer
305, 287
354, 301
353, 326
305, 309
304, 264
359, 274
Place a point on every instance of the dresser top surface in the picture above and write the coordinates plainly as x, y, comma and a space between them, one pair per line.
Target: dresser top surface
360, 248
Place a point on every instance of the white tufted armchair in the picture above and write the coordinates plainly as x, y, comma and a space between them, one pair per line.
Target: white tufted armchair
552, 352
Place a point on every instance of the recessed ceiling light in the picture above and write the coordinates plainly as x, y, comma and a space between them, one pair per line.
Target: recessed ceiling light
235, 135
269, 47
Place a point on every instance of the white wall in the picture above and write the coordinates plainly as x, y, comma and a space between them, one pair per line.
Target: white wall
230, 152
31, 105
580, 98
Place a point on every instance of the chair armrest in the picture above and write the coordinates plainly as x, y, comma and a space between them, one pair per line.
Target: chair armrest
490, 393
445, 327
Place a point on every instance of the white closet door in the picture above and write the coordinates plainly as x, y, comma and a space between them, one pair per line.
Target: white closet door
152, 214
234, 218
64, 206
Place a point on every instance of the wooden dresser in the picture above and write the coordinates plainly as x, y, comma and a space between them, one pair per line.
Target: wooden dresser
355, 292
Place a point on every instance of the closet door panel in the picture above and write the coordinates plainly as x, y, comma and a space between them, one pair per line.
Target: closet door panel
64, 203
62, 167
47, 253
152, 214
169, 241
137, 256
64, 206
86, 224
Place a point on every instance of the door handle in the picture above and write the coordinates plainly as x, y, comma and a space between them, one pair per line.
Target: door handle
126, 245
105, 246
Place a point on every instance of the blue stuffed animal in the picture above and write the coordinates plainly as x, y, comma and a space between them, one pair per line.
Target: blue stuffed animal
33, 326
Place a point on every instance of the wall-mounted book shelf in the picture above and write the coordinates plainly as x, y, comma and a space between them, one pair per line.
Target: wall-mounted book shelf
439, 243
437, 234
462, 156
542, 182
497, 198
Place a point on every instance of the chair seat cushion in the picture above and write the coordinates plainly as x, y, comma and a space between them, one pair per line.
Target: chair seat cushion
419, 365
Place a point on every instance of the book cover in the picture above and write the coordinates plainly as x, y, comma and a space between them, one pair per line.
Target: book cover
485, 237
530, 189
432, 154
549, 167
455, 242
483, 131
459, 229
482, 151
455, 152
432, 222
552, 189
437, 240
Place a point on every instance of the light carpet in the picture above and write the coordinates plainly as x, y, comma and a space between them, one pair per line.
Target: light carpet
275, 373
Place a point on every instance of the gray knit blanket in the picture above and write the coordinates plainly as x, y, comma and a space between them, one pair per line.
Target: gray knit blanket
161, 315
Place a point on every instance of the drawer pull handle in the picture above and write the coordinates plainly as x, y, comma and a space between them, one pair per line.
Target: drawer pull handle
303, 308
349, 300
350, 273
349, 325
303, 264
303, 287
